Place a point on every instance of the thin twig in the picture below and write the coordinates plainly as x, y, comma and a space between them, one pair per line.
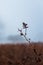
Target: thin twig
24, 34
26, 38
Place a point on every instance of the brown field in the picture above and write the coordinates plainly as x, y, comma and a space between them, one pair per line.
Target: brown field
21, 54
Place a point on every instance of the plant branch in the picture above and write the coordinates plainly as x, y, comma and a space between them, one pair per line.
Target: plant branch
24, 34
26, 38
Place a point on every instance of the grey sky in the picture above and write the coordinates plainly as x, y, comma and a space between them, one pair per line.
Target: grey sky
14, 12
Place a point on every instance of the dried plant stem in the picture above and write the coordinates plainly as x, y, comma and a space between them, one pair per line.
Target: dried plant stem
24, 34
26, 38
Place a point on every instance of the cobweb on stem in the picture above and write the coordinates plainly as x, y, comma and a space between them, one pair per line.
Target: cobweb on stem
25, 27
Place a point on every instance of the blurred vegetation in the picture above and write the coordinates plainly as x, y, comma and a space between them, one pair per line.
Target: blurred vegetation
21, 54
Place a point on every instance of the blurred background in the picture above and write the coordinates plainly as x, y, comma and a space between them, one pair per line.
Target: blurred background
14, 12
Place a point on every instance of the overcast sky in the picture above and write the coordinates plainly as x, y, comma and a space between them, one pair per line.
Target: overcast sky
14, 12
